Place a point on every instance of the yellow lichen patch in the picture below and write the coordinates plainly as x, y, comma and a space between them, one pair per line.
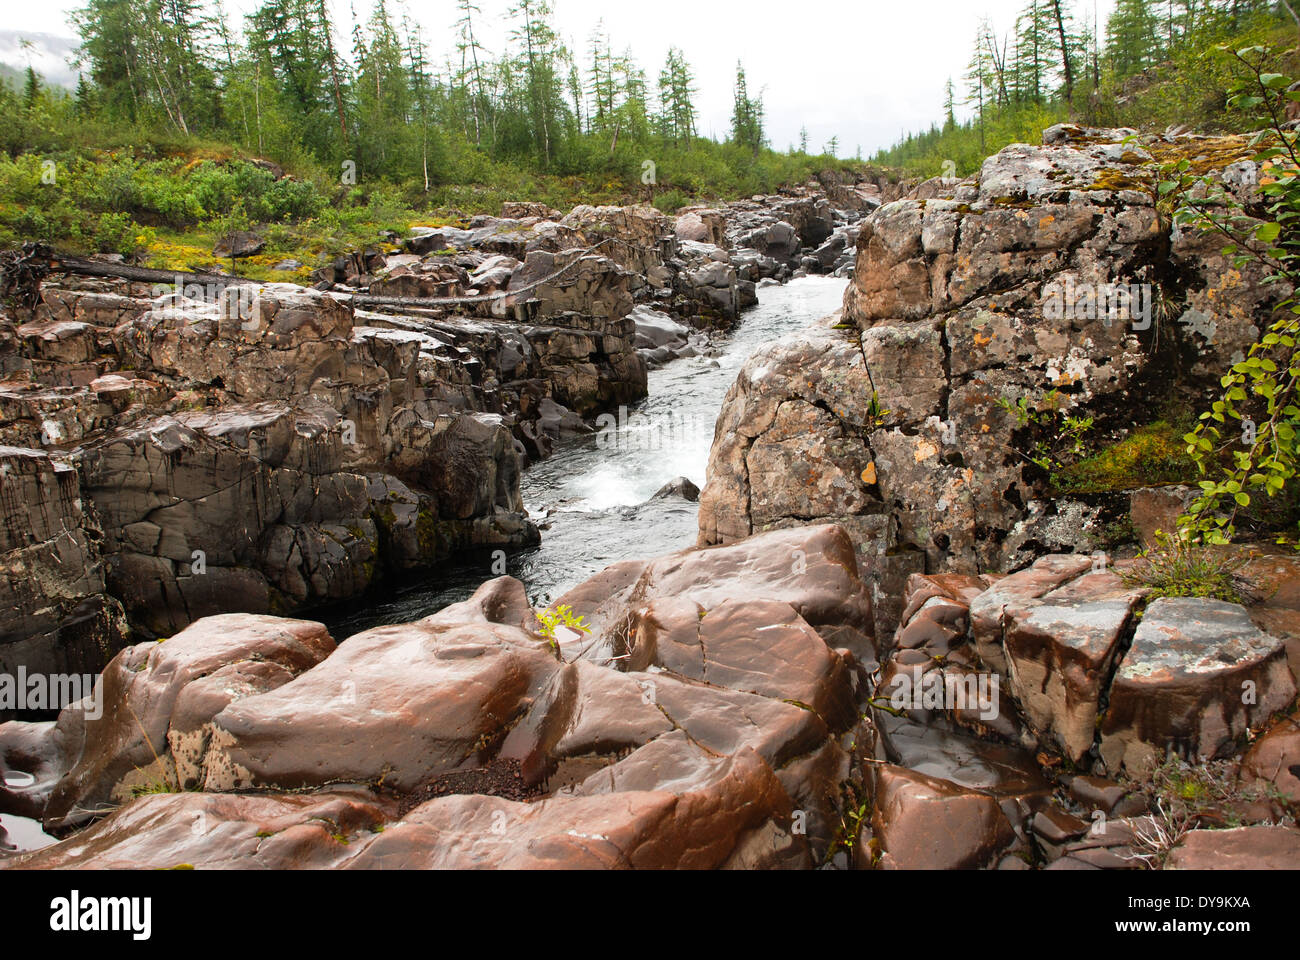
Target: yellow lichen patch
1111, 179
924, 450
1204, 155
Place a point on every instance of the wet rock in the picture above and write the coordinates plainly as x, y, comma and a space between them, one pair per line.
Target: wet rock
1061, 650
1058, 827
122, 740
711, 823
1274, 760
221, 831
1098, 793
989, 610
922, 823
33, 758
1245, 848
813, 569
433, 694
1198, 675
761, 647
681, 487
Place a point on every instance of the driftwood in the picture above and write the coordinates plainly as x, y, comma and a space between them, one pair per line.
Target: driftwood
22, 271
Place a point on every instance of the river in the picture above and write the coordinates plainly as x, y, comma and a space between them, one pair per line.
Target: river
592, 497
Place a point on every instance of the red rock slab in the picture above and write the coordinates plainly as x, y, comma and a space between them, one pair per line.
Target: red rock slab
1198, 675
212, 831
703, 826
757, 646
602, 598
1061, 651
725, 721
126, 746
503, 600
988, 610
959, 588
814, 569
203, 699
584, 711
924, 823
397, 704
1245, 848
999, 770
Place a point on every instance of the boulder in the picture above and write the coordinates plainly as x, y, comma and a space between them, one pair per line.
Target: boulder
924, 823
1198, 676
145, 728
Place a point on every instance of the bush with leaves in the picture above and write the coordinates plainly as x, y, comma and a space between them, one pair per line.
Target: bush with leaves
1255, 425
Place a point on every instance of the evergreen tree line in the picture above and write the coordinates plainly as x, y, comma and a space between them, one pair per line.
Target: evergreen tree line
287, 83
1057, 61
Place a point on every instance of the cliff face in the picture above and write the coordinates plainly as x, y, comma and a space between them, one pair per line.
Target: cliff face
968, 296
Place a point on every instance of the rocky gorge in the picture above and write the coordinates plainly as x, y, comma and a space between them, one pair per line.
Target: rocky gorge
895, 645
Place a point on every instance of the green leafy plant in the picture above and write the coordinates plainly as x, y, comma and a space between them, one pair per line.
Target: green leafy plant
562, 615
1060, 439
1255, 424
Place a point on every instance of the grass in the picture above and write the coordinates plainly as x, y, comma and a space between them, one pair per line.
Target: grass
1176, 567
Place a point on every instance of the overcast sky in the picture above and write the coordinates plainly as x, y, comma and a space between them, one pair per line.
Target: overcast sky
863, 71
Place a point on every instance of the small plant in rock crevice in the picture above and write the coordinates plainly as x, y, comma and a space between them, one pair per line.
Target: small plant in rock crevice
1203, 792
851, 811
561, 616
1179, 567
1059, 439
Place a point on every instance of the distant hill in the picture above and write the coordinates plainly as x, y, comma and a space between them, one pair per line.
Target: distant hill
11, 76
48, 53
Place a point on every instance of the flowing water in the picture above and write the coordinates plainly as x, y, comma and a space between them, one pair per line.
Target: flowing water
592, 498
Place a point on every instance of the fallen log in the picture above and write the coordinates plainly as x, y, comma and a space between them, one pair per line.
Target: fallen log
22, 271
